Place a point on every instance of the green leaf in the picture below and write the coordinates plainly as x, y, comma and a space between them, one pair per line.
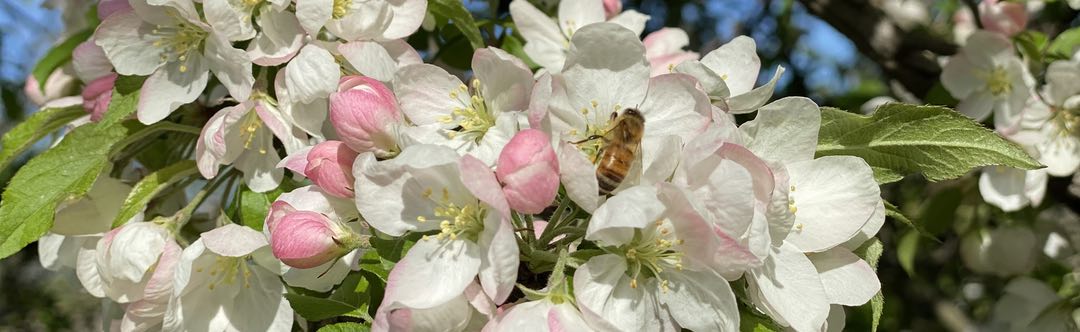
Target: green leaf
906, 251
254, 206
42, 123
343, 301
516, 47
901, 139
124, 100
459, 17
1065, 44
871, 253
345, 327
938, 213
877, 305
62, 173
751, 321
1031, 44
150, 186
58, 56
894, 212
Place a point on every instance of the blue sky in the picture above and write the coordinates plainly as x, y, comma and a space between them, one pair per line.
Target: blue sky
26, 32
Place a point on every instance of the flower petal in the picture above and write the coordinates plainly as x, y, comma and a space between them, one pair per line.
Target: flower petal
427, 93
701, 301
788, 285
606, 65
312, 74
578, 176
170, 87
431, 273
505, 81
737, 63
545, 43
280, 40
499, 259
233, 240
848, 279
613, 223
834, 197
128, 43
786, 130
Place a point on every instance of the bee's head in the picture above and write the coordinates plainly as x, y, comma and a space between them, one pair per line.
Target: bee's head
632, 112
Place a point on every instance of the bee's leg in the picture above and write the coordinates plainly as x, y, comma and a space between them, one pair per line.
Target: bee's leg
590, 138
614, 115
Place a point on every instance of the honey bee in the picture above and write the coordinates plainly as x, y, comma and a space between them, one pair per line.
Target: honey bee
619, 150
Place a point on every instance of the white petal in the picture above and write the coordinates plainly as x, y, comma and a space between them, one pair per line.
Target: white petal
750, 101
545, 43
834, 197
632, 20
93, 213
313, 74
788, 284
431, 273
674, 106
259, 306
977, 106
313, 14
451, 316
578, 176
701, 301
427, 93
530, 316
961, 78
506, 82
574, 15
86, 269
322, 278
408, 15
233, 240
1011, 189
229, 20
170, 87
392, 194
848, 280
614, 222
786, 130
1060, 153
605, 297
281, 38
499, 262
129, 45
737, 63
370, 59
606, 65
231, 66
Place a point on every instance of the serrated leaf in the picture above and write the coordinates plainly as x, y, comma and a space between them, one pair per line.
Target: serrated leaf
871, 253
894, 212
254, 206
42, 123
64, 172
345, 327
58, 56
459, 17
150, 186
901, 139
1065, 44
877, 306
124, 100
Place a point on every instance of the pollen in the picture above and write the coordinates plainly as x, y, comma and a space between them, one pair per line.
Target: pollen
998, 82
457, 220
341, 8
473, 118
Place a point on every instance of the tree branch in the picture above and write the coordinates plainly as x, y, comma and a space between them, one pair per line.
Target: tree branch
905, 55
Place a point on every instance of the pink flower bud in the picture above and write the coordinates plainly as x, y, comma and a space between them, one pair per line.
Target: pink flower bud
612, 8
329, 165
1006, 18
529, 171
97, 94
306, 239
364, 112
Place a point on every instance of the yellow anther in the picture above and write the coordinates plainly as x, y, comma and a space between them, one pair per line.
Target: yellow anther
421, 219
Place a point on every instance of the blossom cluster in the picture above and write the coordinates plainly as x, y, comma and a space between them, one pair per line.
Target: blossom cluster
502, 177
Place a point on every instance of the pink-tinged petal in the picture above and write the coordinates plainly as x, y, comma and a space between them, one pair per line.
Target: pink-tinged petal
664, 42
233, 240
848, 280
89, 61
529, 170
499, 263
612, 8
708, 247
481, 182
107, 8
1006, 18
787, 284
764, 181
97, 94
431, 273
278, 210
363, 112
538, 103
305, 239
329, 165
148, 312
565, 318
578, 176
454, 315
666, 64
280, 39
480, 300
530, 316
212, 147
614, 222
296, 161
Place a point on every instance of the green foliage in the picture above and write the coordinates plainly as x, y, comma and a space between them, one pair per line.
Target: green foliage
1064, 45
894, 212
751, 321
460, 18
124, 101
150, 186
871, 252
255, 206
58, 56
42, 123
65, 172
345, 327
906, 251
902, 139
349, 299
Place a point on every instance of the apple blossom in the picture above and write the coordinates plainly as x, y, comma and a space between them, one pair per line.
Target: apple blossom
478, 118
664, 50
227, 281
243, 135
547, 41
529, 171
327, 164
1012, 189
365, 115
728, 75
1006, 18
988, 77
233, 19
362, 20
171, 43
97, 94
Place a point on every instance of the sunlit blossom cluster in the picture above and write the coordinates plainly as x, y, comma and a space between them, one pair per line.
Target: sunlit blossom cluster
490, 175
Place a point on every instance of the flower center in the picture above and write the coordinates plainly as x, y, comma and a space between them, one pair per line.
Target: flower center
341, 8
651, 252
456, 221
251, 3
225, 270
592, 147
1067, 121
474, 119
178, 42
998, 81
250, 130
